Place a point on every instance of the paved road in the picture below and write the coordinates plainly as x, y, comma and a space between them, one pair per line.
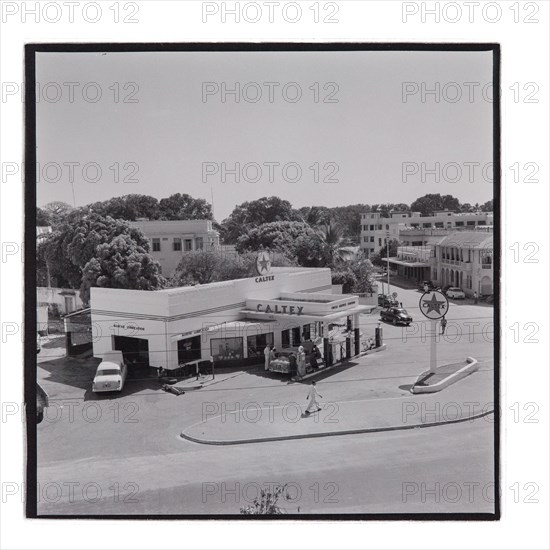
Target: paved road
127, 447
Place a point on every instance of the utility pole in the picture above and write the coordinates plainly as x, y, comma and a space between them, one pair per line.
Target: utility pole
388, 259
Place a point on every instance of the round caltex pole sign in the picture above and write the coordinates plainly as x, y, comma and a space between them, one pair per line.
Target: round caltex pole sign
434, 304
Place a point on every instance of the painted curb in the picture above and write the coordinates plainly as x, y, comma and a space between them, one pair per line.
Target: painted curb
331, 434
470, 367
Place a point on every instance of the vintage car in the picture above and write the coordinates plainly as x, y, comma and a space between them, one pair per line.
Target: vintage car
455, 293
42, 402
281, 364
111, 373
396, 315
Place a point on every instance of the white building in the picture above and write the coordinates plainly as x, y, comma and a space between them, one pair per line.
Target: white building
459, 258
170, 240
230, 321
375, 228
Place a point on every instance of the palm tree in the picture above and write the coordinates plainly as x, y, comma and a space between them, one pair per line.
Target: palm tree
332, 241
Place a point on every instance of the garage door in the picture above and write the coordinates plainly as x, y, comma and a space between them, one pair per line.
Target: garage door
134, 350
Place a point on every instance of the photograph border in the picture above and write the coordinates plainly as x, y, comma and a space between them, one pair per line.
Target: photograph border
30, 356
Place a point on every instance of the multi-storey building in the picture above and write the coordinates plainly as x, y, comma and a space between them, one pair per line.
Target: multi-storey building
375, 228
465, 259
170, 240
459, 258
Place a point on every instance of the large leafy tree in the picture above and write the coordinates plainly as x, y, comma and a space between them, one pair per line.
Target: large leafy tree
487, 206
348, 219
56, 212
73, 244
249, 215
121, 263
181, 206
277, 236
128, 207
432, 202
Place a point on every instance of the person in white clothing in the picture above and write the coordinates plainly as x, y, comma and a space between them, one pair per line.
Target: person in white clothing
313, 405
267, 355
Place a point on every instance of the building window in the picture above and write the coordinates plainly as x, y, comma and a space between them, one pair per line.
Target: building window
372, 228
176, 244
188, 245
459, 224
439, 224
379, 242
296, 336
387, 227
380, 227
226, 349
365, 239
156, 245
471, 223
256, 344
372, 239
427, 225
481, 222
199, 243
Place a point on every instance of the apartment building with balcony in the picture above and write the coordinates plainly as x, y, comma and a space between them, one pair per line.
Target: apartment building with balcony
170, 240
465, 259
375, 228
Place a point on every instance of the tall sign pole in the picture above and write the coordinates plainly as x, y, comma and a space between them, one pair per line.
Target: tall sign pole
433, 305
388, 259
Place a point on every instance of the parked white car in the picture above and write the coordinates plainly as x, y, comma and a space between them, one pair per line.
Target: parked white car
455, 293
111, 373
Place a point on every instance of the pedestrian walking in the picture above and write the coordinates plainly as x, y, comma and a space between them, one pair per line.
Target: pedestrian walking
301, 362
267, 356
313, 405
475, 297
443, 325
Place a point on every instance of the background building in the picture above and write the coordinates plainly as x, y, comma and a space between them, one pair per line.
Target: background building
170, 240
375, 228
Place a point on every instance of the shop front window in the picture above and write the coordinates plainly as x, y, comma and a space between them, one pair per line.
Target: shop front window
296, 336
256, 344
226, 349
307, 332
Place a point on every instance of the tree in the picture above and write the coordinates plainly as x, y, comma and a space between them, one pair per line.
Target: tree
203, 267
331, 238
277, 236
251, 214
376, 259
487, 206
433, 202
184, 207
121, 263
356, 276
348, 219
72, 244
43, 217
128, 207
57, 211
315, 215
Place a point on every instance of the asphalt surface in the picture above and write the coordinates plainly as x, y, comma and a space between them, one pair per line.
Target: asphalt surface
122, 453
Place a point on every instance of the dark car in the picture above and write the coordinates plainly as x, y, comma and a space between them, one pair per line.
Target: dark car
42, 401
396, 315
387, 301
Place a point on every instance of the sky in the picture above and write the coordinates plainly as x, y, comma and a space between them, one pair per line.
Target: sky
155, 130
